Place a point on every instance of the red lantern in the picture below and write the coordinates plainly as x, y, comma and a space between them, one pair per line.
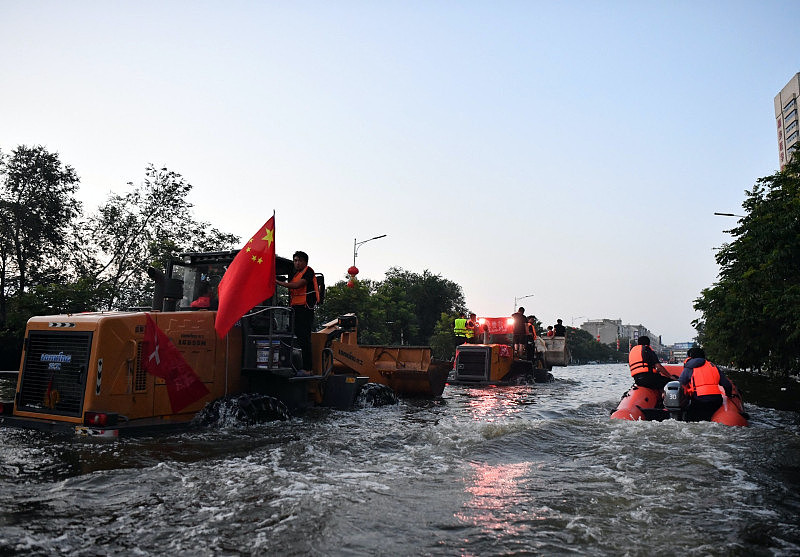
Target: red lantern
351, 284
352, 271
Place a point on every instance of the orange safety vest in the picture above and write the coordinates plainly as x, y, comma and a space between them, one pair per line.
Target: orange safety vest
299, 296
532, 330
636, 361
705, 380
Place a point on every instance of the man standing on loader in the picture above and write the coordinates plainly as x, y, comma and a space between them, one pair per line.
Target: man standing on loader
304, 295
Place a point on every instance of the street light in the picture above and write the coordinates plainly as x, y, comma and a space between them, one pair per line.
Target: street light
574, 318
518, 298
357, 245
729, 215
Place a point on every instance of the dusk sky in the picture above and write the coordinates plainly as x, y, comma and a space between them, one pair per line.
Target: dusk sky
575, 151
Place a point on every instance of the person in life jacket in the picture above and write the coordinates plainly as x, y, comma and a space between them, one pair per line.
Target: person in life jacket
460, 328
303, 296
702, 380
646, 369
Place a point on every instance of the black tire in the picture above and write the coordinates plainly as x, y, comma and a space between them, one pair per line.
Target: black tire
373, 395
245, 408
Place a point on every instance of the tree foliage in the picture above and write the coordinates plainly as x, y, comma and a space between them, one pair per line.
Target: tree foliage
403, 308
143, 227
55, 260
584, 347
37, 209
751, 315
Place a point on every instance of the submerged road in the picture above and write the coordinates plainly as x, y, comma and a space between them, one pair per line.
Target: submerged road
537, 469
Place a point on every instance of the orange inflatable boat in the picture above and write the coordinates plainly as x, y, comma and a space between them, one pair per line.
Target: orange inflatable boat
641, 403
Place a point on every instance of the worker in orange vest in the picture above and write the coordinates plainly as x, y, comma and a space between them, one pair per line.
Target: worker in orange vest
646, 370
702, 381
304, 295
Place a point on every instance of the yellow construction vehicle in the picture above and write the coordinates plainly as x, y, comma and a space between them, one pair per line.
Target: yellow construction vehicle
496, 361
407, 370
84, 372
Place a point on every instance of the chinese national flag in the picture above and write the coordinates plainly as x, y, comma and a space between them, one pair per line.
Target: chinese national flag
162, 359
249, 280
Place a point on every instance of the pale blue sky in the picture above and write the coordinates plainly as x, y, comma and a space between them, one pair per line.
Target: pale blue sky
573, 150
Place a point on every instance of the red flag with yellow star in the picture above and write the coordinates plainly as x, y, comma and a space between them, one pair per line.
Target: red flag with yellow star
249, 280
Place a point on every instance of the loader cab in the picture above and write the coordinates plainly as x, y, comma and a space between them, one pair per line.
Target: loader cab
193, 280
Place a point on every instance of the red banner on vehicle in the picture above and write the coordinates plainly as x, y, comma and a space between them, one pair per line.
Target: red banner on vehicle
497, 325
161, 358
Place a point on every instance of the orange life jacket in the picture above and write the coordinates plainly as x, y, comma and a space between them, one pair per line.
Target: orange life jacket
705, 380
299, 295
636, 360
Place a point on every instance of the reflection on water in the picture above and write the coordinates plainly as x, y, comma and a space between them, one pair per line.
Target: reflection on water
495, 490
531, 469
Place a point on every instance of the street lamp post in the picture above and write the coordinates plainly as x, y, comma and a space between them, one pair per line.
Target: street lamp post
518, 298
357, 245
729, 215
574, 318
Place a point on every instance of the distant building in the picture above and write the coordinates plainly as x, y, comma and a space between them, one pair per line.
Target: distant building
607, 331
786, 119
677, 352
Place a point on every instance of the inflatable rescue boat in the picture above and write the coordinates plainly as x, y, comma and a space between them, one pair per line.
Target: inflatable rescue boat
641, 403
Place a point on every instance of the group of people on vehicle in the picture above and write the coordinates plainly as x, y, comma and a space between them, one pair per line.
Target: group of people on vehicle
700, 378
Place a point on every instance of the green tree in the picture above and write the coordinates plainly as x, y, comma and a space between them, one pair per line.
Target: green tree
418, 301
140, 228
443, 342
583, 347
37, 208
751, 315
359, 299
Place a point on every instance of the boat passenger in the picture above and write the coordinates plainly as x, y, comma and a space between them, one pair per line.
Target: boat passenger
520, 331
559, 328
460, 328
473, 329
702, 380
646, 369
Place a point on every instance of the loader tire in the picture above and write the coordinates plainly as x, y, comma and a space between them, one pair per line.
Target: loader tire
245, 409
373, 395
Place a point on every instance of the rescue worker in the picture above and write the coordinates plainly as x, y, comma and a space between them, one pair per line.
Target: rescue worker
530, 345
532, 327
520, 331
460, 328
646, 369
303, 296
473, 329
702, 380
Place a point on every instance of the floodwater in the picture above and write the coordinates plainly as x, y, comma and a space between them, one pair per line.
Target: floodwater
527, 470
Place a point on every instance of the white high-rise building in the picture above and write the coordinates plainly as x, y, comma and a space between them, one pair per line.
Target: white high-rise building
786, 118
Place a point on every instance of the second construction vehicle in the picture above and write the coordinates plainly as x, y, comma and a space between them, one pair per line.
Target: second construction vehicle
494, 361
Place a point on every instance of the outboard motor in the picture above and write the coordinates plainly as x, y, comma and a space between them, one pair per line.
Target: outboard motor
675, 400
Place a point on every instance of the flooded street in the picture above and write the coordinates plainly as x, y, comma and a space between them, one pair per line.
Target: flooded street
535, 469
